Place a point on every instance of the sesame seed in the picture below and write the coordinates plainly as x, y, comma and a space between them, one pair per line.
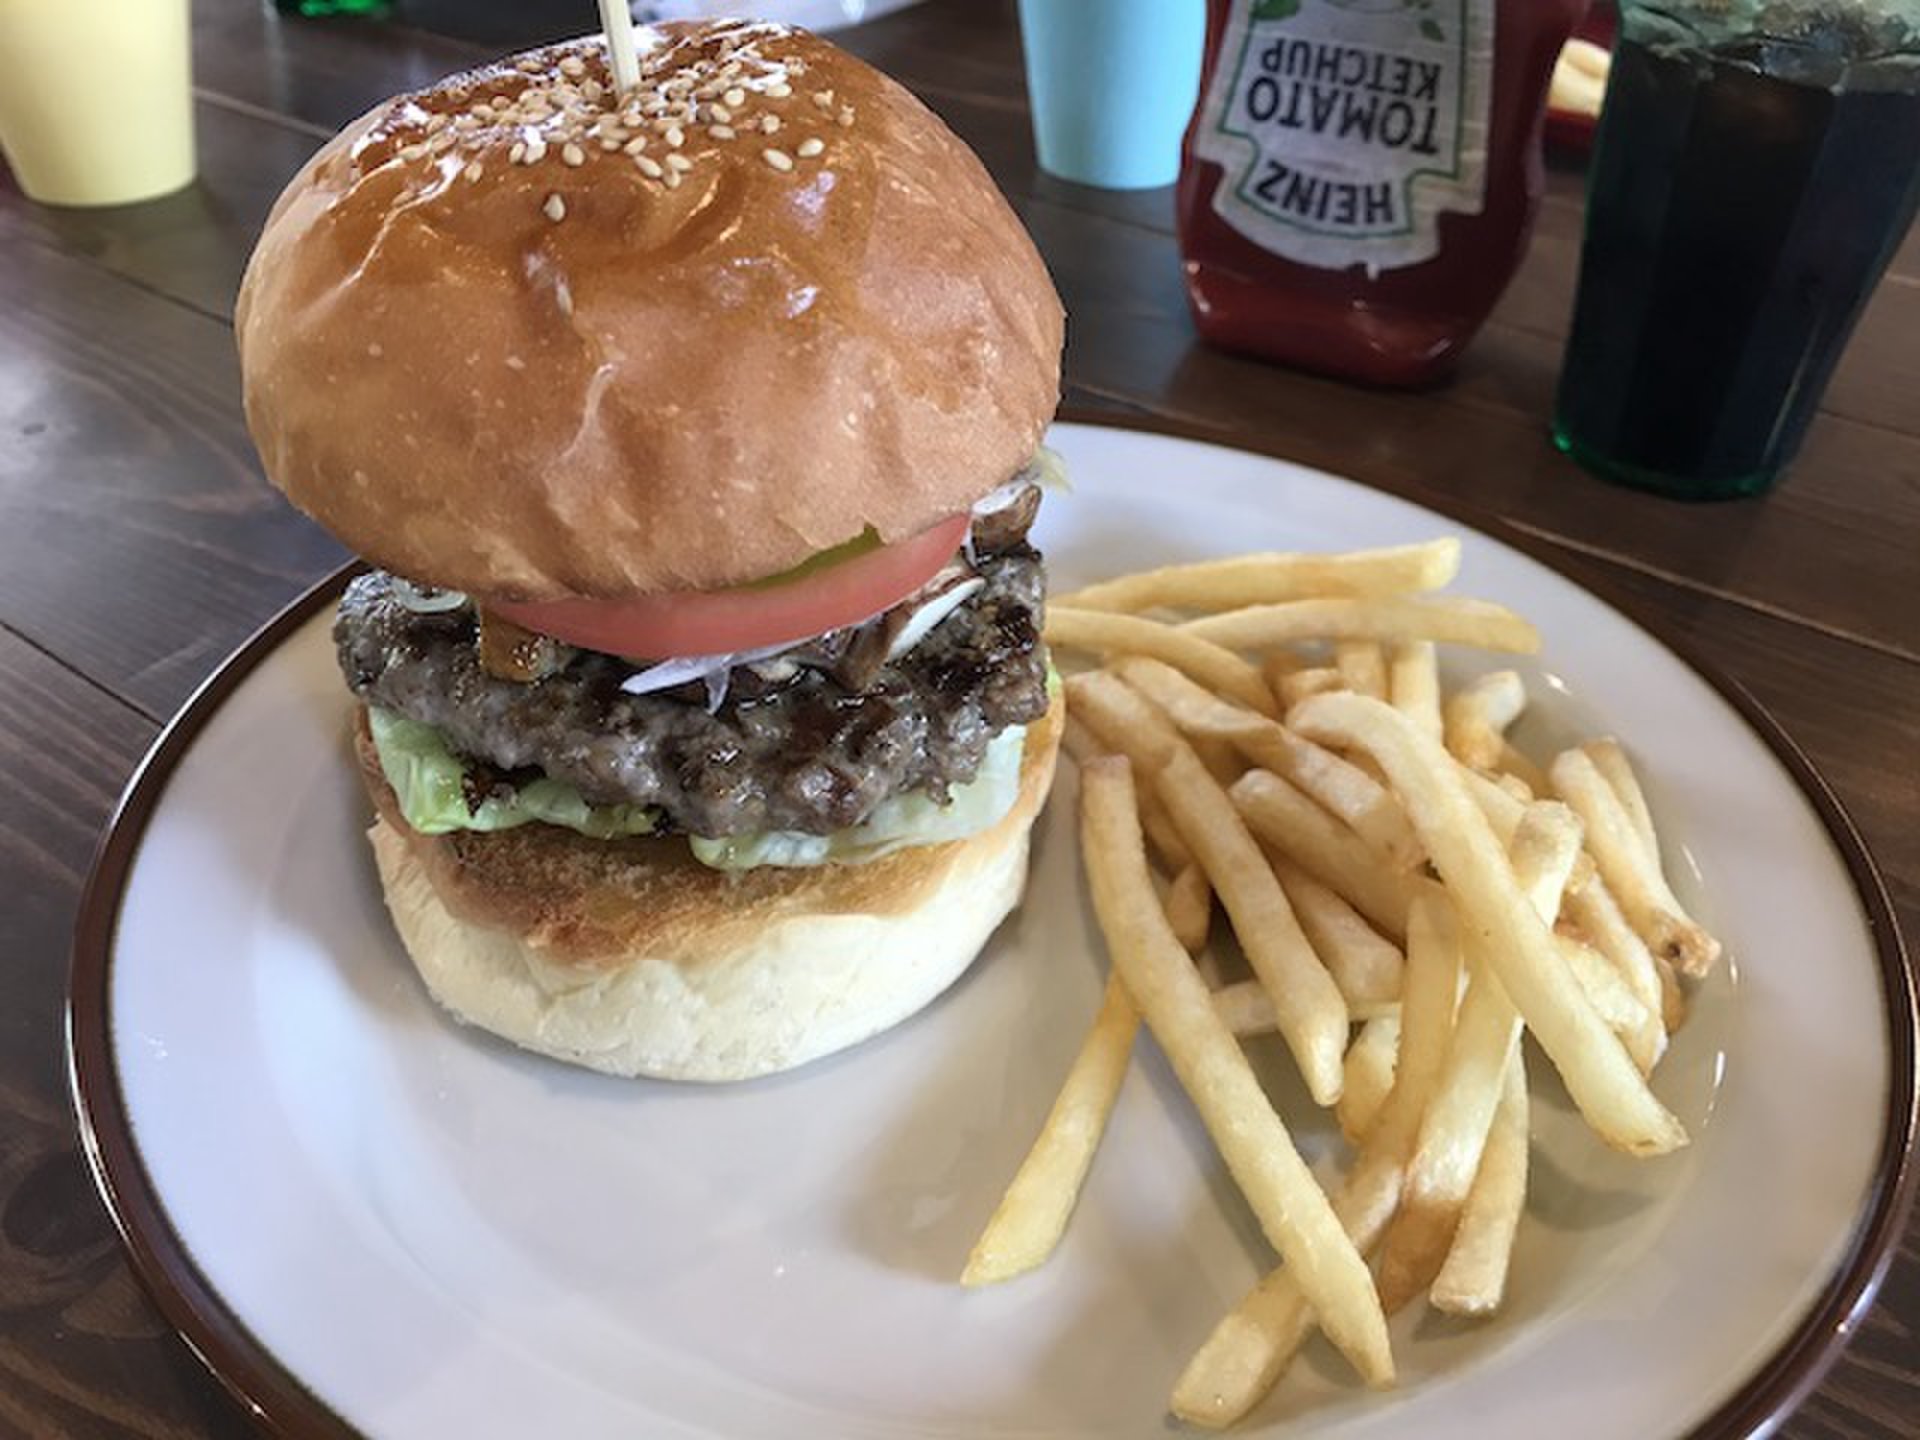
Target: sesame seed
778, 159
514, 362
555, 208
573, 65
467, 122
412, 152
530, 66
442, 142
635, 145
374, 350
735, 97
721, 132
677, 161
769, 124
780, 90
720, 113
649, 167
436, 123
811, 147
823, 98
609, 143
846, 117
673, 179
593, 90
518, 154
572, 154
536, 149
675, 137
473, 171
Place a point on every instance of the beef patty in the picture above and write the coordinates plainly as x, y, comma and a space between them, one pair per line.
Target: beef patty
810, 752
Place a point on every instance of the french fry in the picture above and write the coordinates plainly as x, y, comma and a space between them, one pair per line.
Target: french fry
1387, 860
1312, 1012
1033, 1214
1223, 761
1474, 1279
1413, 683
1611, 761
1476, 721
1486, 1036
1262, 579
1083, 745
1120, 723
1630, 871
1363, 667
1293, 826
1339, 786
1130, 635
1446, 619
1607, 992
1189, 905
1477, 715
1253, 1141
1369, 1080
1604, 1082
1368, 968
1078, 741
1280, 661
1593, 909
1296, 685
1503, 800
1247, 1350
1245, 1008
1123, 720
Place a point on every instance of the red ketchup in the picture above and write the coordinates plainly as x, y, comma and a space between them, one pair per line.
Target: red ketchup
1360, 178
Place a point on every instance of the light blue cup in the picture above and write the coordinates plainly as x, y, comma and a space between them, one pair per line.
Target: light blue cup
1112, 83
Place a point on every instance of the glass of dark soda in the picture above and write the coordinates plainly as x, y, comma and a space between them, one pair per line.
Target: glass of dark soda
1757, 164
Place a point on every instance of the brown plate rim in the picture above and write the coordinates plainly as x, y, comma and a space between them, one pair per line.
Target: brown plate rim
274, 1396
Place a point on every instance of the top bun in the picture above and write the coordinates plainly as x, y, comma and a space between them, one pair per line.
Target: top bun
493, 350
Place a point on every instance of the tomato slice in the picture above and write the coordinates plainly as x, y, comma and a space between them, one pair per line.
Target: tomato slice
718, 622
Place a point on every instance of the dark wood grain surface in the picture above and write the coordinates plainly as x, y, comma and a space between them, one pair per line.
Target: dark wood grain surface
139, 544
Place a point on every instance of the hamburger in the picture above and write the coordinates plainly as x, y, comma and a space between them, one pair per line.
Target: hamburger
692, 434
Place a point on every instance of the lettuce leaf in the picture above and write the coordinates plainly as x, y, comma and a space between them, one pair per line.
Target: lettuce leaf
429, 781
910, 819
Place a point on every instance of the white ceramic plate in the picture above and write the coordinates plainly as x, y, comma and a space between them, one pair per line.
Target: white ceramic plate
365, 1215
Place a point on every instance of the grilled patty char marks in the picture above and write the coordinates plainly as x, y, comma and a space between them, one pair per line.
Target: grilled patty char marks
805, 753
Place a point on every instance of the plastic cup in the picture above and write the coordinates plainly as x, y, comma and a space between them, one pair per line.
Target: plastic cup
96, 99
1112, 84
1756, 166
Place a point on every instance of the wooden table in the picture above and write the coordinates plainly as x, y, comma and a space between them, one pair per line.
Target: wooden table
139, 544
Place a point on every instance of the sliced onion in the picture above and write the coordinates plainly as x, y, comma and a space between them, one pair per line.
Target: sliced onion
930, 614
1001, 496
425, 599
711, 669
926, 608
1048, 469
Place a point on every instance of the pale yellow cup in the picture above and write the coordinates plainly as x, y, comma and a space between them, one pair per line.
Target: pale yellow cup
96, 99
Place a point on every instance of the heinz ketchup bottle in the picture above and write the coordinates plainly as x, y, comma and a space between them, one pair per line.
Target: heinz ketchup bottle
1360, 178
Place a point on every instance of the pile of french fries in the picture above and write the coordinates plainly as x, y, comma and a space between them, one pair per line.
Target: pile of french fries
1410, 894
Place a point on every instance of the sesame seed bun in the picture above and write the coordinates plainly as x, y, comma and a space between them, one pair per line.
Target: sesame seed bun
631, 958
519, 336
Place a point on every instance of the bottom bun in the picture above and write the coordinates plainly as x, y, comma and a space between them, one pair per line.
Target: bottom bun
632, 958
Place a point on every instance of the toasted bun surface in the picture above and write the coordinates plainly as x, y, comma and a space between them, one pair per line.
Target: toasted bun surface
632, 958
570, 377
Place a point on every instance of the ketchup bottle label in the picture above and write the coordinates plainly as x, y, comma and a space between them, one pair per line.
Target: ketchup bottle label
1345, 128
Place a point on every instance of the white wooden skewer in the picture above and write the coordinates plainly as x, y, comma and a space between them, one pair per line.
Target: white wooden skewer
618, 21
